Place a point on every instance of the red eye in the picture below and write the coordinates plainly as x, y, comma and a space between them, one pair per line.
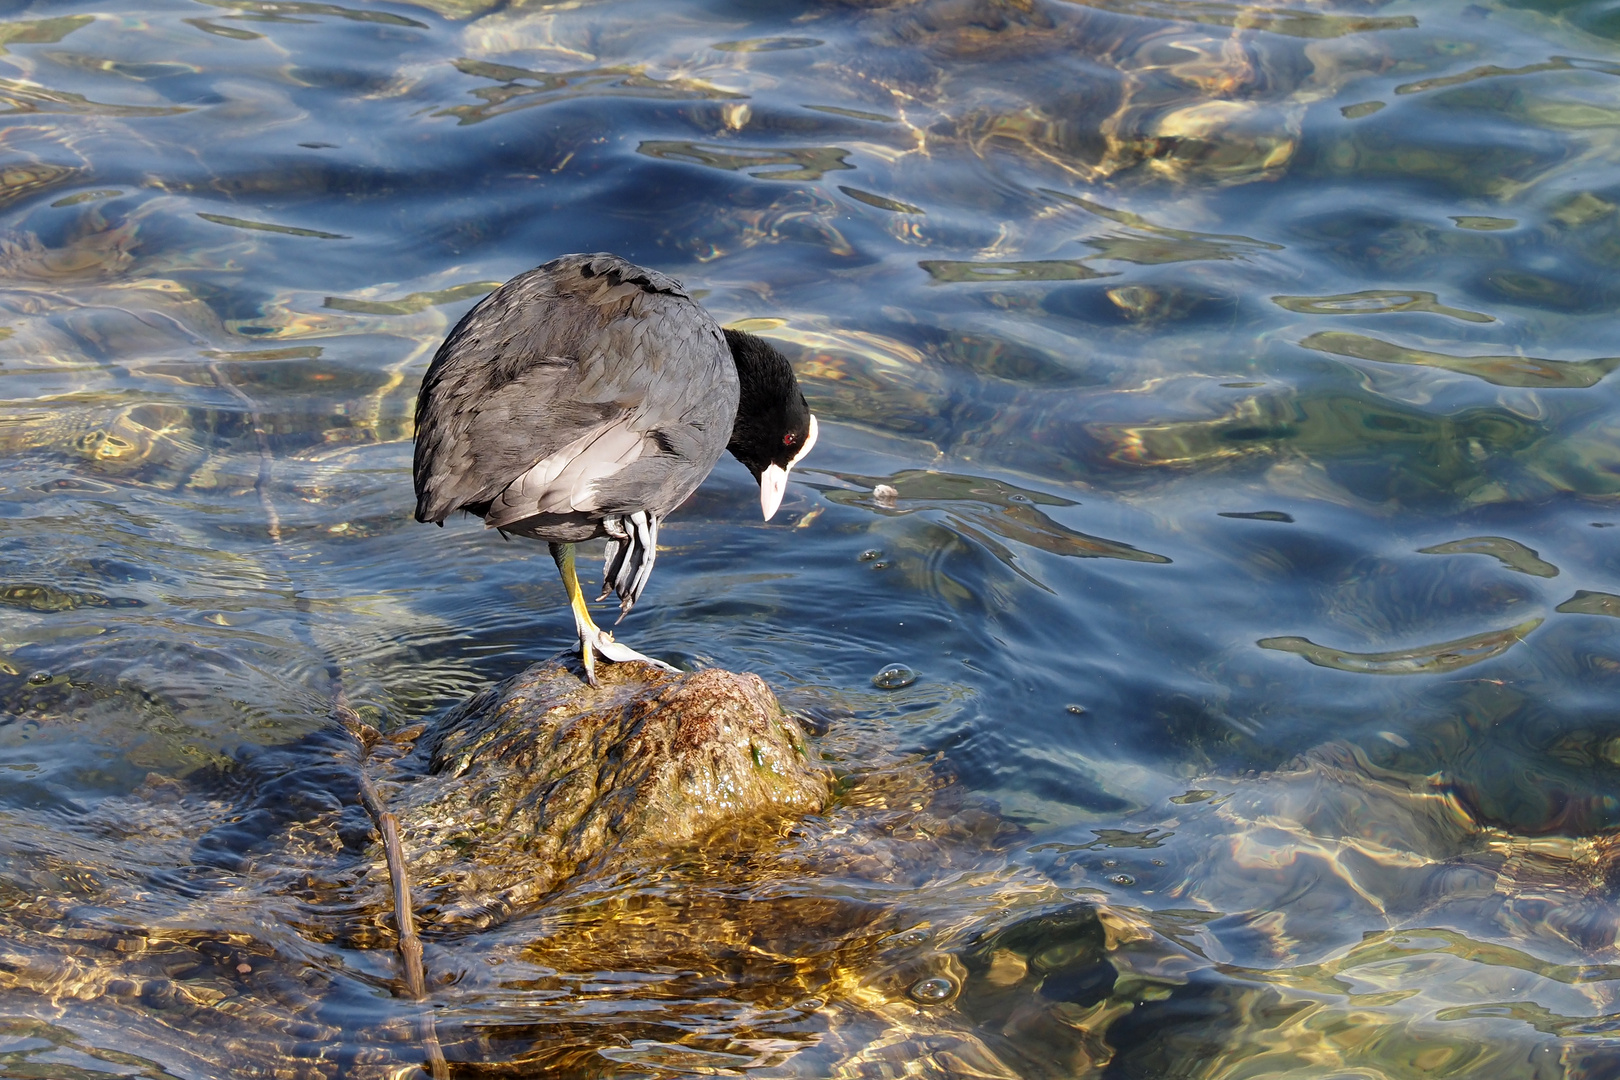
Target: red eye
790, 438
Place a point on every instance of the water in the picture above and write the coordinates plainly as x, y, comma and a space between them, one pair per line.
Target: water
1217, 419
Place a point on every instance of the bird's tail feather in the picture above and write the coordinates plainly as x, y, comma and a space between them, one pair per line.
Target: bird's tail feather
628, 561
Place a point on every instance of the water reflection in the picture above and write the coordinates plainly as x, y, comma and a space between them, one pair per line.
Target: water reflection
945, 270
985, 511
798, 163
1373, 301
1589, 602
1181, 362
524, 89
1418, 660
1500, 370
1512, 554
1304, 24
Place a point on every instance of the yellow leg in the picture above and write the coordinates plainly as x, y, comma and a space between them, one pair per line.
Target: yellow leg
588, 632
593, 640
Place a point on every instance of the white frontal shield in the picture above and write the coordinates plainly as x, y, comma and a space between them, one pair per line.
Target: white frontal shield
773, 481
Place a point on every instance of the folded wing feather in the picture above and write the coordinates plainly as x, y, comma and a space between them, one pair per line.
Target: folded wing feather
568, 479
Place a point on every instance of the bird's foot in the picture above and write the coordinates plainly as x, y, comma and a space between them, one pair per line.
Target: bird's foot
601, 642
619, 652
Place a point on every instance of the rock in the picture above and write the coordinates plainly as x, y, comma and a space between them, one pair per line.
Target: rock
235, 921
544, 776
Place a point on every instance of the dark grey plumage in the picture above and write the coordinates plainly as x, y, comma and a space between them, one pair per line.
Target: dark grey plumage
588, 397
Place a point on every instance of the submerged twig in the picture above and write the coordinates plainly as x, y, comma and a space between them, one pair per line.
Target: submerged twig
410, 945
365, 736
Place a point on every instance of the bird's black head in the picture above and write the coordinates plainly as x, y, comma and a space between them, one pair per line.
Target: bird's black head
774, 428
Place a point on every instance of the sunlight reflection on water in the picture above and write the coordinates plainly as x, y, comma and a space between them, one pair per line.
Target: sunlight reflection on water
1183, 365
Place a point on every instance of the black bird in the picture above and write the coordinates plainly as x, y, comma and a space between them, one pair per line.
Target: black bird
589, 397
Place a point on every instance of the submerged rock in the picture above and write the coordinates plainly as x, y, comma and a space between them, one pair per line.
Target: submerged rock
542, 776
675, 894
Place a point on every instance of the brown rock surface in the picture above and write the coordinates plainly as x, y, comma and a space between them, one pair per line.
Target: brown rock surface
543, 776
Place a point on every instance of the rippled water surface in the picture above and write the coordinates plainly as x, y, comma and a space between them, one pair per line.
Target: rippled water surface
1217, 419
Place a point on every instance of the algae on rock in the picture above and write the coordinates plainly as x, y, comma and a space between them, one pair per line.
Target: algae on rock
543, 775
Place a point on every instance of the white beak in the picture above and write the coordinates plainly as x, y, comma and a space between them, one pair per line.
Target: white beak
773, 481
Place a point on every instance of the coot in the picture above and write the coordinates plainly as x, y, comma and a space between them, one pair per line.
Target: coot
589, 397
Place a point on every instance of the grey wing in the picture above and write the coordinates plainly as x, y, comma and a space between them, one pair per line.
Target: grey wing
587, 386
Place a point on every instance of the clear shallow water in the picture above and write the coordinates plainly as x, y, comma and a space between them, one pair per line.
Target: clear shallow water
1241, 376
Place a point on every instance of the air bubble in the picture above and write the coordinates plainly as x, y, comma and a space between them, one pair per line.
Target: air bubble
894, 677
1122, 880
869, 554
932, 991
